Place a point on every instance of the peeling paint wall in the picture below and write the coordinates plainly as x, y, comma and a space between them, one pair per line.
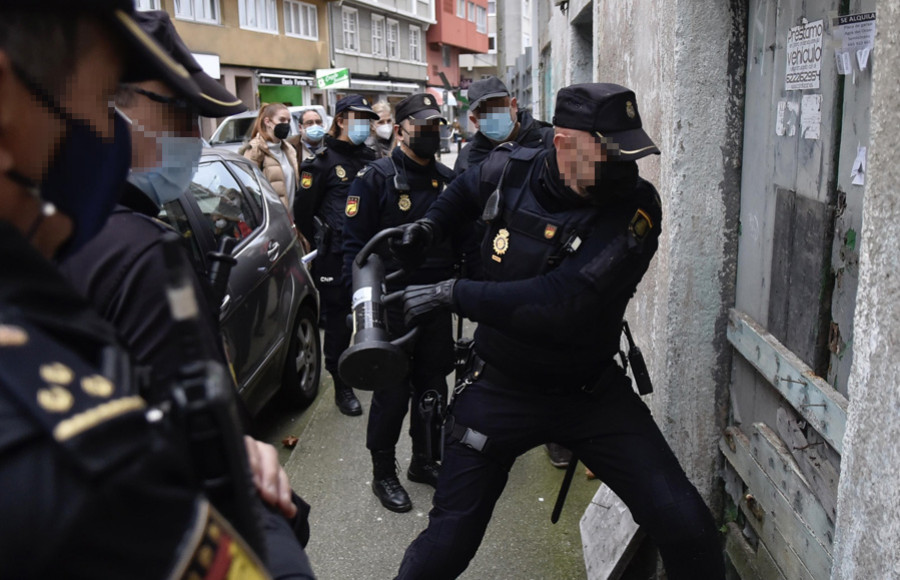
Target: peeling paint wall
868, 522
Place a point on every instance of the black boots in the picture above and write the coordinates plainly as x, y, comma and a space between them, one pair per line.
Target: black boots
345, 400
559, 455
423, 470
385, 484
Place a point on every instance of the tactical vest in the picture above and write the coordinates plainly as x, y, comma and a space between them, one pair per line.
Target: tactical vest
523, 239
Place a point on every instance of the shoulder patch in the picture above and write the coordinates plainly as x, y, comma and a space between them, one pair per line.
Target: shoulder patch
362, 171
306, 180
352, 206
640, 225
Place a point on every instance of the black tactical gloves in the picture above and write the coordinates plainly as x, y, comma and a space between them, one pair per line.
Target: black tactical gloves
417, 238
422, 302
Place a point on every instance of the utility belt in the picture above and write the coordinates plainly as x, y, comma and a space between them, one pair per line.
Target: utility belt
481, 370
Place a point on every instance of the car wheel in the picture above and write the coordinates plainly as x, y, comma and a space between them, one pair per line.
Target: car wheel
303, 366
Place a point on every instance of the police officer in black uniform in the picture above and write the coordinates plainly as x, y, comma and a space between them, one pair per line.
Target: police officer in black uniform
320, 208
95, 484
391, 192
571, 232
496, 115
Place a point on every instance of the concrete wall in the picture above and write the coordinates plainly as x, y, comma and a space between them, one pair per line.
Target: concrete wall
868, 520
685, 62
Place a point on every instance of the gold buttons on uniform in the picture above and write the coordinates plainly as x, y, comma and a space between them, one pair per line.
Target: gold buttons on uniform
56, 373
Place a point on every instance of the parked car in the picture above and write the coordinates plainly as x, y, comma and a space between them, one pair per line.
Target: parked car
234, 131
270, 313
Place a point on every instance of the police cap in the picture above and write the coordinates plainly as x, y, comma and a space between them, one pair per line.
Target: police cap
610, 112
357, 103
421, 106
144, 58
208, 96
489, 88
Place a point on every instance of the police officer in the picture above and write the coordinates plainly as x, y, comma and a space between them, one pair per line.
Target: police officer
388, 193
571, 232
121, 270
496, 115
86, 471
322, 200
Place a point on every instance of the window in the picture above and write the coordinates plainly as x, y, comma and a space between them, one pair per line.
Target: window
393, 39
492, 6
147, 5
492, 43
471, 12
378, 35
447, 53
350, 24
250, 176
526, 40
415, 44
301, 20
461, 8
198, 10
219, 197
259, 15
480, 19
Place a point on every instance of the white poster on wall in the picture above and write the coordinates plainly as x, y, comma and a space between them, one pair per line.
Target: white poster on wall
804, 56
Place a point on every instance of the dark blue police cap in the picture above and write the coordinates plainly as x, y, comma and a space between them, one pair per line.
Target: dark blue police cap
489, 88
420, 106
144, 58
357, 103
610, 112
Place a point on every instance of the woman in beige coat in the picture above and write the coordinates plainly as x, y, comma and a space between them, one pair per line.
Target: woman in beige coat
270, 151
275, 157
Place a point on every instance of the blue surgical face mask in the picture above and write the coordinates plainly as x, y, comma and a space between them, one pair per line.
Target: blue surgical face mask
497, 126
314, 133
85, 176
359, 130
180, 158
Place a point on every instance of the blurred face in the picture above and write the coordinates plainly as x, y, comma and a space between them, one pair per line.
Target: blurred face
579, 155
420, 138
153, 119
492, 111
30, 133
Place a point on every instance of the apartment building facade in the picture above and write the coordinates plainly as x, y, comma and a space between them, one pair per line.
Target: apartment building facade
461, 28
382, 43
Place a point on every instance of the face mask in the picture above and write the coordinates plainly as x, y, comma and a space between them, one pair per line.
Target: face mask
180, 158
425, 144
282, 130
384, 132
496, 126
221, 223
359, 131
314, 133
86, 175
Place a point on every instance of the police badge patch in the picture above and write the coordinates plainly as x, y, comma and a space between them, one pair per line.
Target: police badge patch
640, 225
404, 203
340, 172
501, 244
306, 180
352, 206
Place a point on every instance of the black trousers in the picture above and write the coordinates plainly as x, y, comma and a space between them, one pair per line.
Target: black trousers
430, 363
335, 301
612, 433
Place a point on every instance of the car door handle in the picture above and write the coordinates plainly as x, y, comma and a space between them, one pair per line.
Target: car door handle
272, 250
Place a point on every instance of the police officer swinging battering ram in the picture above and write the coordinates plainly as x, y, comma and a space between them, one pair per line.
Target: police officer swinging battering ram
570, 233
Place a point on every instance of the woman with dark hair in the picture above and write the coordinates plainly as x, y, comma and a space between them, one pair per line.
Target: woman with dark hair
322, 200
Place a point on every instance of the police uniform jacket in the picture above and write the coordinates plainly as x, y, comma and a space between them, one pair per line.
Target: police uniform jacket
558, 269
375, 204
122, 272
91, 489
532, 133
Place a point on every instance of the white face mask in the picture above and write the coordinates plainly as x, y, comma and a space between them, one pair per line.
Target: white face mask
384, 132
180, 158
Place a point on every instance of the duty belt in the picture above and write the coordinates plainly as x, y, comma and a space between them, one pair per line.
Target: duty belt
480, 370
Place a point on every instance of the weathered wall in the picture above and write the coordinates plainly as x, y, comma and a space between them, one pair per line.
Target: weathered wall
868, 520
685, 62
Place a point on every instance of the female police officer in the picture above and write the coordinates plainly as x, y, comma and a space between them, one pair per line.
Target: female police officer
322, 199
570, 234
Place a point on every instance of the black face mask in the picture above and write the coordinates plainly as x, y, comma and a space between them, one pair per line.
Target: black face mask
424, 144
612, 178
282, 130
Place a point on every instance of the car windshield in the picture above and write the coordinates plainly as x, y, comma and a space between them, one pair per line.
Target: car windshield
233, 130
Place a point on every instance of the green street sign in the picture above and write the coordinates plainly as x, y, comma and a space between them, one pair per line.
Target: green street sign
333, 78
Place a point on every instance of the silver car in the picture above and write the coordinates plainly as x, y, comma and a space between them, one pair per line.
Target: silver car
270, 311
234, 131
